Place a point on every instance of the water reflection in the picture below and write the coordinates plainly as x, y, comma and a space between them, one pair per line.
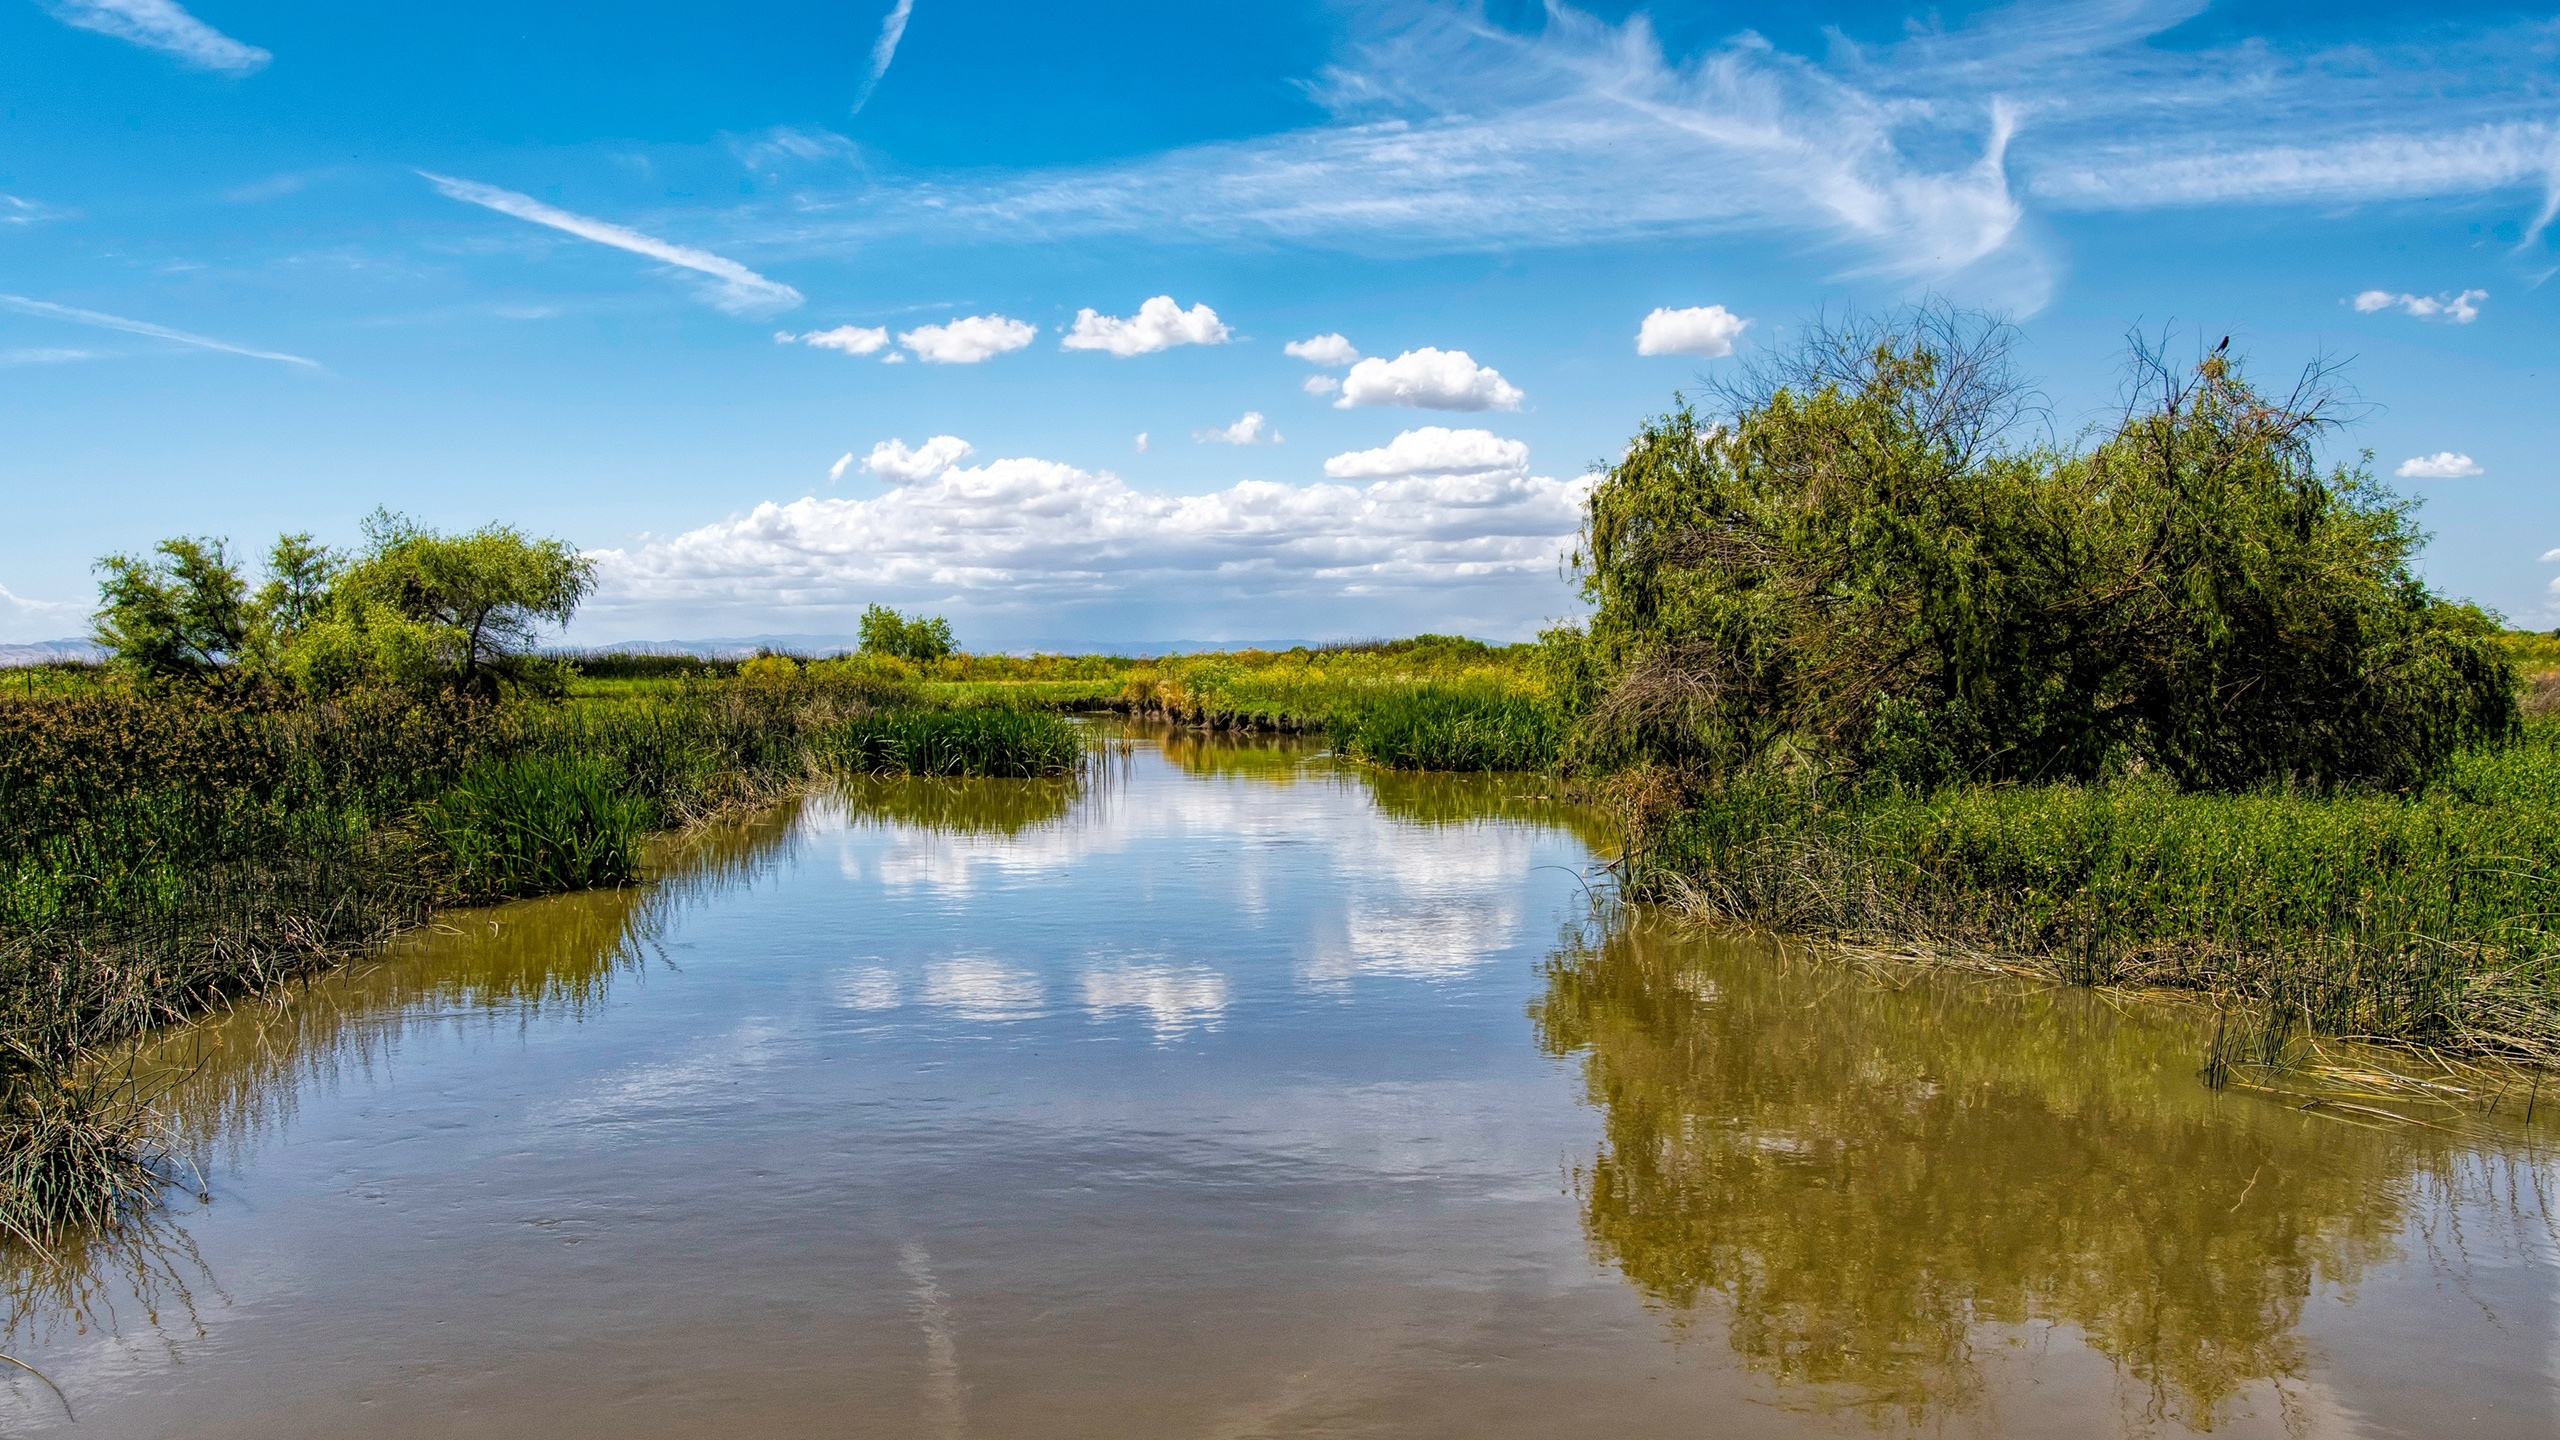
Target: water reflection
1872, 1184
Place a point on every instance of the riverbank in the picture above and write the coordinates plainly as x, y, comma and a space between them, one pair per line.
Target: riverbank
166, 851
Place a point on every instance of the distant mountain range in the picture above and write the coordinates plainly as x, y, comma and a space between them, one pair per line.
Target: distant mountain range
737, 647
47, 652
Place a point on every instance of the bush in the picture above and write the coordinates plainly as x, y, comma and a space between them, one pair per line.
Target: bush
1855, 565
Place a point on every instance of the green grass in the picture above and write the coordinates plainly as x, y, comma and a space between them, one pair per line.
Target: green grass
1440, 727
538, 824
2431, 918
985, 740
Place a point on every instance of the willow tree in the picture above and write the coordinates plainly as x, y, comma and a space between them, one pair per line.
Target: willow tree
1858, 563
461, 612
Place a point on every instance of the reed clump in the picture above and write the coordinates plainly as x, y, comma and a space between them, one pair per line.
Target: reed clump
1442, 727
983, 740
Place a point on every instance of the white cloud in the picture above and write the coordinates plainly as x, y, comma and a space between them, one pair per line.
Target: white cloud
967, 340
23, 620
740, 290
2442, 465
1330, 351
1707, 330
1037, 536
102, 321
892, 461
1428, 379
893, 28
1174, 999
164, 26
975, 989
851, 339
1160, 325
1320, 385
43, 355
1433, 450
1250, 430
2551, 557
1142, 442
18, 210
836, 471
2460, 308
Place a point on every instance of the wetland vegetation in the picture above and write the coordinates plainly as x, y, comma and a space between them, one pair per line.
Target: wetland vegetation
2163, 705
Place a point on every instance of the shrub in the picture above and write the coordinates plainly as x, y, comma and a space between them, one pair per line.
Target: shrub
1855, 564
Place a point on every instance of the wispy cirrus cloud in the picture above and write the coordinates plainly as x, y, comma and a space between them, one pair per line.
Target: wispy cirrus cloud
18, 210
164, 26
738, 290
893, 28
1915, 160
96, 319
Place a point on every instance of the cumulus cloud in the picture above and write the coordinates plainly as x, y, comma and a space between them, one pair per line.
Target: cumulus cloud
100, 320
967, 340
739, 290
164, 26
1142, 442
892, 461
1160, 325
2442, 465
836, 471
1428, 379
1320, 385
1433, 450
1250, 430
1707, 330
1330, 351
1037, 535
2459, 308
851, 339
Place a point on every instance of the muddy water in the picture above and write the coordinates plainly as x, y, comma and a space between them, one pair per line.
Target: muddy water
1237, 1094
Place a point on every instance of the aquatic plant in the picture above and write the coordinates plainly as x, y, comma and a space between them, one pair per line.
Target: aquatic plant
1439, 727
535, 824
990, 740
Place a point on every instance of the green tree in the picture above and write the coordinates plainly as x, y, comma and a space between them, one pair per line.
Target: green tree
183, 613
456, 611
297, 588
917, 637
1856, 565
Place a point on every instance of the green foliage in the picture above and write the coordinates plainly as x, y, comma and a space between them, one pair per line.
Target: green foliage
535, 824
2432, 917
1314, 689
185, 613
1854, 566
996, 740
421, 609
1437, 727
298, 575
905, 637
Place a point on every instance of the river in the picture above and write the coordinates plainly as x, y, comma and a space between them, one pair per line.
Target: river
1235, 1092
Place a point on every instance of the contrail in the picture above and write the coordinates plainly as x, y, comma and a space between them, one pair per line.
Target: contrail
103, 321
883, 50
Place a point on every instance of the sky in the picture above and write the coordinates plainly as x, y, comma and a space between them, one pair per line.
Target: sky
1112, 324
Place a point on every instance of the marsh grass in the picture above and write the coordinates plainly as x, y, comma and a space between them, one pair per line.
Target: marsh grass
538, 824
2428, 919
1444, 727
984, 740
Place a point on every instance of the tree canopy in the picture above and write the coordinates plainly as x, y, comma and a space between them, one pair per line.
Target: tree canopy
412, 607
1857, 563
907, 637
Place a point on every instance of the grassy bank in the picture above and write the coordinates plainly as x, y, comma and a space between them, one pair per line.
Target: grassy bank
165, 850
2428, 918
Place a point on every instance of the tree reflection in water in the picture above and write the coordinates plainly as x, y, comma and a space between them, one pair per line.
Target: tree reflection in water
1869, 1179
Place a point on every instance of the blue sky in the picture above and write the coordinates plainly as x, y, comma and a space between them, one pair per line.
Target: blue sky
699, 287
